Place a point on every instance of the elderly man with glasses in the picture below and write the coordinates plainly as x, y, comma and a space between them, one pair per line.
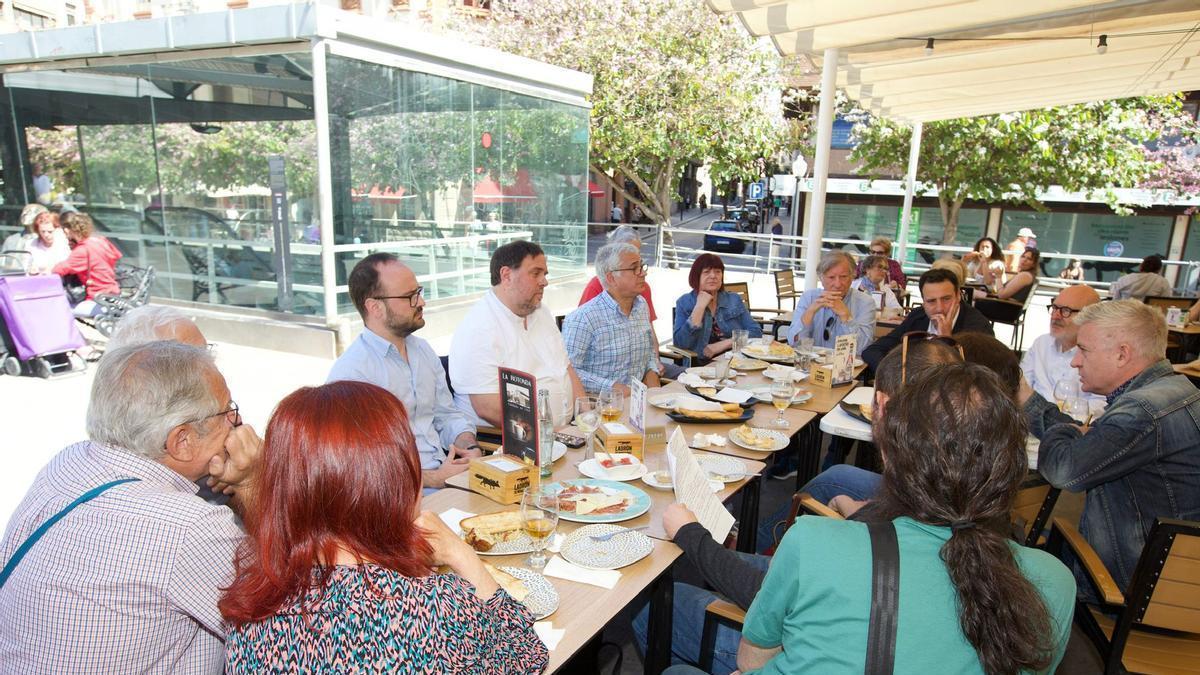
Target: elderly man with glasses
1047, 363
112, 563
835, 309
387, 354
608, 338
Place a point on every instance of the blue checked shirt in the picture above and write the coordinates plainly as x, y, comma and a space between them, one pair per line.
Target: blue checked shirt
607, 347
127, 582
861, 324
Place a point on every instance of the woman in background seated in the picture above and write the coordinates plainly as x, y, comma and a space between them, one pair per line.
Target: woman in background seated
92, 260
979, 263
706, 317
336, 572
896, 278
874, 280
50, 247
969, 600
1024, 281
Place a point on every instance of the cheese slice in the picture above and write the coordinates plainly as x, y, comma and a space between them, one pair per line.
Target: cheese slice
593, 502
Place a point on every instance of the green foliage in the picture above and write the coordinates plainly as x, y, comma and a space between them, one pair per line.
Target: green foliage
1091, 147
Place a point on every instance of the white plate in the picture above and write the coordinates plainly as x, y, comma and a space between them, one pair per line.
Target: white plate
781, 440
858, 363
722, 468
760, 352
542, 600
669, 401
704, 372
651, 480
762, 393
560, 450
592, 469
618, 552
748, 364
797, 375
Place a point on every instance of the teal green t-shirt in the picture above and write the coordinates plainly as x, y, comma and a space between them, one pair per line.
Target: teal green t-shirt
816, 600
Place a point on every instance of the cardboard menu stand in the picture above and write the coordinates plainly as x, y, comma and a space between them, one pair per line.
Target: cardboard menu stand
654, 436
840, 369
518, 416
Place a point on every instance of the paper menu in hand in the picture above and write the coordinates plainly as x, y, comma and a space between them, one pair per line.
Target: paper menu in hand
637, 405
692, 488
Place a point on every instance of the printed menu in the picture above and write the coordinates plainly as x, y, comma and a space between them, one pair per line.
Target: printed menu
842, 365
692, 488
518, 415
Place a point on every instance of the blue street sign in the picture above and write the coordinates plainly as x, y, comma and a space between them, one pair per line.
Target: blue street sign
756, 190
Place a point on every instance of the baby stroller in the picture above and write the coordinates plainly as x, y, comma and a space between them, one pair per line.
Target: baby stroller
39, 332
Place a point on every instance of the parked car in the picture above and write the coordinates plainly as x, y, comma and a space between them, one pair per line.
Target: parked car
716, 242
741, 216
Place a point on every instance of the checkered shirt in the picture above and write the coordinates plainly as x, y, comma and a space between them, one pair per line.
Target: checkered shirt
607, 347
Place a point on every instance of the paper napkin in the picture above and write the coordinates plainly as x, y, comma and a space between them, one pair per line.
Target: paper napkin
452, 517
550, 635
560, 568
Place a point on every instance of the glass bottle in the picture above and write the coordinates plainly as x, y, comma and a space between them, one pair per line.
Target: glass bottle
545, 434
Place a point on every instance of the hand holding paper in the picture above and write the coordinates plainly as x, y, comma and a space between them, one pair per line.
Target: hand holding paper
692, 488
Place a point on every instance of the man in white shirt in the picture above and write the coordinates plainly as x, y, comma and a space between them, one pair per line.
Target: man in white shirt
41, 184
510, 328
1147, 281
1048, 360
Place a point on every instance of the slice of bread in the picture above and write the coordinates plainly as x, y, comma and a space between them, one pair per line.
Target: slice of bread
485, 531
511, 585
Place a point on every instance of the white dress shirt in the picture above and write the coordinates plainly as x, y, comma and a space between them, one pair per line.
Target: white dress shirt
1045, 365
492, 336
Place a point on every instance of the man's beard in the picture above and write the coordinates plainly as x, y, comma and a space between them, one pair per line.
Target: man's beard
402, 328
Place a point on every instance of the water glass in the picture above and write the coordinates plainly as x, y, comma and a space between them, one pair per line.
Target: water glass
806, 344
587, 418
741, 338
539, 520
801, 360
612, 404
721, 368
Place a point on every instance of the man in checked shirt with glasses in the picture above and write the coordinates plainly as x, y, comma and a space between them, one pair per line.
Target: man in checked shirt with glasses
608, 338
128, 581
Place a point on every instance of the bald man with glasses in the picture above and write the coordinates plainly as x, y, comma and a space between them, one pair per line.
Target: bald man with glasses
387, 354
1048, 360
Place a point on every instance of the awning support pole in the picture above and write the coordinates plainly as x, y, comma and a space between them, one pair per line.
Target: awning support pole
816, 221
910, 182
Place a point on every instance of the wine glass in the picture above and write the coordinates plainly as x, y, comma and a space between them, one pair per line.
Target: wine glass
781, 397
612, 403
1065, 390
587, 418
1079, 409
539, 519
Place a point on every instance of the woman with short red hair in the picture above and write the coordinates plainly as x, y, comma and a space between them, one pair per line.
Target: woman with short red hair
706, 317
337, 571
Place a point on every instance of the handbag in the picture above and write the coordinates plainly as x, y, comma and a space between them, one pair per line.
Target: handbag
885, 599
44, 527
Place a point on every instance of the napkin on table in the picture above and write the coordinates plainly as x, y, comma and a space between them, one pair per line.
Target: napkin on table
691, 379
452, 517
560, 568
731, 395
550, 635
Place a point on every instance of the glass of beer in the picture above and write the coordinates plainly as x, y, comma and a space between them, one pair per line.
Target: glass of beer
612, 403
539, 519
587, 418
781, 397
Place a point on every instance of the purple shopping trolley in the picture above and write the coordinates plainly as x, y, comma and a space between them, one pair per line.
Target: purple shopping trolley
40, 331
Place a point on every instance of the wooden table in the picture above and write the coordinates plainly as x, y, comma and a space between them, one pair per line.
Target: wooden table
1188, 369
583, 609
1189, 329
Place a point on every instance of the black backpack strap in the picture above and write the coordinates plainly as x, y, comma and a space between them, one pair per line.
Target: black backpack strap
885, 599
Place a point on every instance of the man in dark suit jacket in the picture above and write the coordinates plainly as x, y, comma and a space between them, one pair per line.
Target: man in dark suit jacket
942, 313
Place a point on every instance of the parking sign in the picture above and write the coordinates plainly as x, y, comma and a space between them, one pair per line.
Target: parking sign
756, 190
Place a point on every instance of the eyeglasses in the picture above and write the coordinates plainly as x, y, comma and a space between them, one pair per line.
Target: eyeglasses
829, 326
411, 297
231, 414
637, 269
922, 335
1063, 311
876, 251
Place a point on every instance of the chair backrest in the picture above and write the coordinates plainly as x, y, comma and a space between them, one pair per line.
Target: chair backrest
1164, 302
742, 289
805, 504
785, 282
1032, 509
1165, 590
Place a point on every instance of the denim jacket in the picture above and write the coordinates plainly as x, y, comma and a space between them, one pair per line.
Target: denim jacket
731, 314
1139, 461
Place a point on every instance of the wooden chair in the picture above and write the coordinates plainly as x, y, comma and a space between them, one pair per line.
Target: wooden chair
1031, 510
724, 612
1157, 625
785, 287
762, 316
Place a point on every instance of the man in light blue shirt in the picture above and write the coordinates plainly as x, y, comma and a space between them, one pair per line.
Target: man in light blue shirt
387, 354
608, 338
834, 309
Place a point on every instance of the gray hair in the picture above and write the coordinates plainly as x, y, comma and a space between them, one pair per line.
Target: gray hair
831, 259
625, 234
1141, 326
141, 325
142, 392
609, 257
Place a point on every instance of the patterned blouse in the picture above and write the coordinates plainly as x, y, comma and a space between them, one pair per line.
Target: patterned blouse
379, 621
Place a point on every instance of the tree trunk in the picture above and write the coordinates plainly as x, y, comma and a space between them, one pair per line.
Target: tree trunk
949, 209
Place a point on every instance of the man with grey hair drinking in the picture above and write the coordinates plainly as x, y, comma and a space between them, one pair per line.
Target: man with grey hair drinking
1140, 459
111, 561
608, 338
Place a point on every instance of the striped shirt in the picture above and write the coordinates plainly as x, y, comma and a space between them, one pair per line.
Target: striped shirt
127, 582
607, 347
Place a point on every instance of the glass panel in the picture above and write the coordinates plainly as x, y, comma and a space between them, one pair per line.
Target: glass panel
171, 160
441, 172
1091, 234
1189, 276
867, 221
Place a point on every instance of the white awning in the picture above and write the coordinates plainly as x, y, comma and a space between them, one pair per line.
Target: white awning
989, 56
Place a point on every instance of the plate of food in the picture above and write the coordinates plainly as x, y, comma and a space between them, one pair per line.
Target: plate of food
762, 393
619, 467
781, 372
710, 393
859, 411
763, 440
703, 372
615, 553
743, 363
593, 500
722, 468
729, 412
661, 480
775, 351
672, 400
825, 359
496, 533
528, 588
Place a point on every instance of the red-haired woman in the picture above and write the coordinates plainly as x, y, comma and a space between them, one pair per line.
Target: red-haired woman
335, 574
706, 317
